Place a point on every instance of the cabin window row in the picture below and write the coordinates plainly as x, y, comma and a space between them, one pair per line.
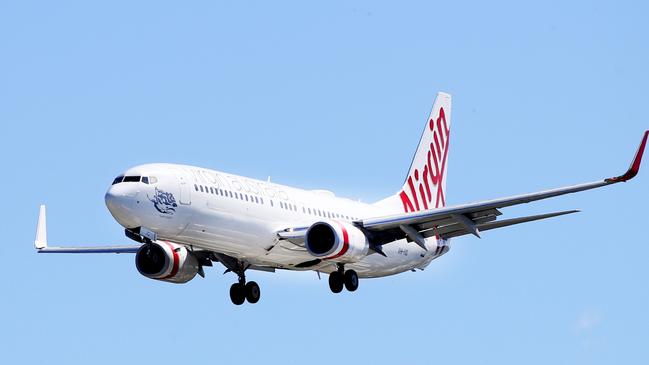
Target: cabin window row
259, 200
227, 193
313, 211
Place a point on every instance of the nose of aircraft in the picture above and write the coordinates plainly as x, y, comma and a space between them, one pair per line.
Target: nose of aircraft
121, 201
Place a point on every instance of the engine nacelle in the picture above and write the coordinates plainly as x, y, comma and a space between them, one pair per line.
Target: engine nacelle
166, 261
336, 240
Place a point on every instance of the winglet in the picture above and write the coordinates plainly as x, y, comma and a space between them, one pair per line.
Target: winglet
635, 164
41, 230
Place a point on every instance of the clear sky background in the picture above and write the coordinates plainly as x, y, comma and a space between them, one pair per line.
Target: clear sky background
328, 95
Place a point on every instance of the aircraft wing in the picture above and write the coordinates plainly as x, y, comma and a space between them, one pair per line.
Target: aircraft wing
41, 242
473, 218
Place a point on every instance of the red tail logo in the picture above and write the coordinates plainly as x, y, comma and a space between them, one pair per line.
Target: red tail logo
430, 185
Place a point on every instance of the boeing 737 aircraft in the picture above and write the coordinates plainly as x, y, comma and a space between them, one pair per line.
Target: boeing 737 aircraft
184, 218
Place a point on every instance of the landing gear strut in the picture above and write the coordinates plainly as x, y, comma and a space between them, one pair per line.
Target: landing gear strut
340, 278
240, 291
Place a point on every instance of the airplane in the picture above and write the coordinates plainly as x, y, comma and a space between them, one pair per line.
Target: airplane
184, 218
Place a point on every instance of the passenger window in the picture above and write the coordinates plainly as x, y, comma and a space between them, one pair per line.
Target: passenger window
262, 200
201, 188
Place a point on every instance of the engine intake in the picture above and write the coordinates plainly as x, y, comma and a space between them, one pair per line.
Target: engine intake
166, 261
335, 240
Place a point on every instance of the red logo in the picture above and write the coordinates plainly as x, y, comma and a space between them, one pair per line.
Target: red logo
427, 186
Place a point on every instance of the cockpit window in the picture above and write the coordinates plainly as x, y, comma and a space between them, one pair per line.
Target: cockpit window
144, 179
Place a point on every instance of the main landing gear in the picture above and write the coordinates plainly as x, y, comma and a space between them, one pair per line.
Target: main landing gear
240, 291
340, 278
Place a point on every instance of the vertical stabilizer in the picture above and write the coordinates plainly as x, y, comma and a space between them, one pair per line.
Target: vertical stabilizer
425, 184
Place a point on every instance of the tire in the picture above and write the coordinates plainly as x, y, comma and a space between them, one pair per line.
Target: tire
351, 280
252, 292
336, 282
237, 294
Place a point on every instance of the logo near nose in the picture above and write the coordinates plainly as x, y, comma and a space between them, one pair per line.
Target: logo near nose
163, 202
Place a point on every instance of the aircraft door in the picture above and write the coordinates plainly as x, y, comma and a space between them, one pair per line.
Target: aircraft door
185, 188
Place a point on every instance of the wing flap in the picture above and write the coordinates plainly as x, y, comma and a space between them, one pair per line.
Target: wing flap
456, 230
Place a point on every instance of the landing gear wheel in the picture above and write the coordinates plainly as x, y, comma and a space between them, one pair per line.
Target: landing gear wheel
237, 293
351, 280
336, 282
252, 292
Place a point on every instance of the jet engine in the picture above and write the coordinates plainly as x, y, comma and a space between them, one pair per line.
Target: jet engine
335, 240
166, 261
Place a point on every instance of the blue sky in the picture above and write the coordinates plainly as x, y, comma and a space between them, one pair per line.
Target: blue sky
328, 95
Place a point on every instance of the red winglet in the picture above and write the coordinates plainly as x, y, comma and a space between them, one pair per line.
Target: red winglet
635, 165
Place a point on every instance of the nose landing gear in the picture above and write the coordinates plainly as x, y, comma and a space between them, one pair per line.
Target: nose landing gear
341, 278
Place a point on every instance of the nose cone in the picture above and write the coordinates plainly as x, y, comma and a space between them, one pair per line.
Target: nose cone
121, 203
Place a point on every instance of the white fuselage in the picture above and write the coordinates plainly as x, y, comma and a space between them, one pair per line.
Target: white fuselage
240, 217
